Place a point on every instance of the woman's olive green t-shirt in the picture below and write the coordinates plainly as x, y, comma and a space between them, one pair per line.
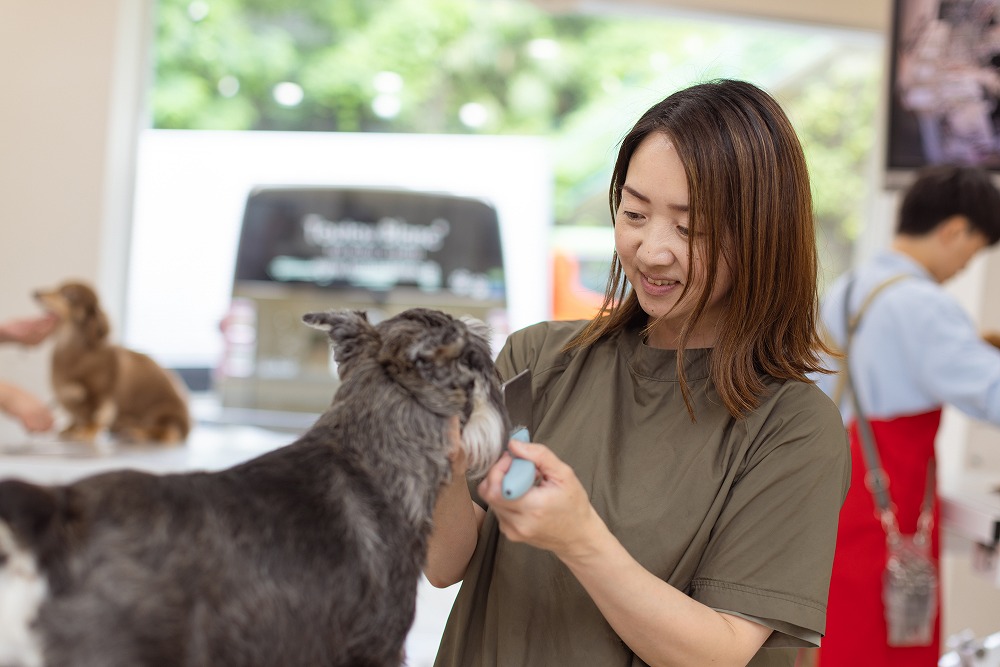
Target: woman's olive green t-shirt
740, 514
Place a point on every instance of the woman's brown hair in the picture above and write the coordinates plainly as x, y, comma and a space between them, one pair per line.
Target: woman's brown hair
750, 207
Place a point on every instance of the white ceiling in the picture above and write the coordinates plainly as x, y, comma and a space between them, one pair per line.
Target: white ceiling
856, 14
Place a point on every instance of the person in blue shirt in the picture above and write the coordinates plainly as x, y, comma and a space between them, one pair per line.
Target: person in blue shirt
913, 351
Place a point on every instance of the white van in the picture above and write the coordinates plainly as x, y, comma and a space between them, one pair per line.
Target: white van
306, 249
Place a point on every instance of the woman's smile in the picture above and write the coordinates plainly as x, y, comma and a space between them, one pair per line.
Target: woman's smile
658, 286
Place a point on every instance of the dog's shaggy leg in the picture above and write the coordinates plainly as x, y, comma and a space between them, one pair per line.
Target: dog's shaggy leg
170, 434
80, 433
162, 431
167, 434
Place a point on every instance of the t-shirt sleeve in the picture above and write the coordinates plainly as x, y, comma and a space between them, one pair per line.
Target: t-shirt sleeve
771, 550
521, 350
506, 364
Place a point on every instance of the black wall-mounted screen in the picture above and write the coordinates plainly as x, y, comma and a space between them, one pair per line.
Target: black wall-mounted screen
944, 86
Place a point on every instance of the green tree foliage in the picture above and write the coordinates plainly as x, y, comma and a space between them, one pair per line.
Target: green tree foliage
502, 67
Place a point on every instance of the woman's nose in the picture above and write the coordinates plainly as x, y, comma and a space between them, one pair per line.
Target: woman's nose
660, 248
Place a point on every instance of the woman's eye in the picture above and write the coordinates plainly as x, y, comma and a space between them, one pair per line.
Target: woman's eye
683, 231
632, 215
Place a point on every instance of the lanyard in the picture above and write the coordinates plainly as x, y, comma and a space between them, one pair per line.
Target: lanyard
876, 479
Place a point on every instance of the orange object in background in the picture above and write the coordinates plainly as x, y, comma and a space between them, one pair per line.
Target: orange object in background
571, 300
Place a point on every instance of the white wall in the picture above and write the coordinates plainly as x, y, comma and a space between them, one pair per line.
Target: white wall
73, 79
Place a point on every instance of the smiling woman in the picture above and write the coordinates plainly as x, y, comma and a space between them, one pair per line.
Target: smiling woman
665, 536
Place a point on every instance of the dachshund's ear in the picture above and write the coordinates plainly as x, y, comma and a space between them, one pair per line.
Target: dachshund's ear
351, 334
96, 325
86, 309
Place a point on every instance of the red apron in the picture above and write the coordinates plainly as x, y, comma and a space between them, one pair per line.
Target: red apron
855, 624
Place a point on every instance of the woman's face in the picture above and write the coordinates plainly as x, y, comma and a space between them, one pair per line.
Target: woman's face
651, 238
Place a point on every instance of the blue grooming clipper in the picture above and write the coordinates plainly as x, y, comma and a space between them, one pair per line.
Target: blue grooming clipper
518, 400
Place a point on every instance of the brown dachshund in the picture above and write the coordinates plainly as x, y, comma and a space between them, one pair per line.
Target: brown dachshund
107, 387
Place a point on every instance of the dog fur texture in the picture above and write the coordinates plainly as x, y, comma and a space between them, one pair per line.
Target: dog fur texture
309, 555
105, 387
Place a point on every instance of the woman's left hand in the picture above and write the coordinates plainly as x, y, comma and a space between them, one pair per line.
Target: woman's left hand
555, 514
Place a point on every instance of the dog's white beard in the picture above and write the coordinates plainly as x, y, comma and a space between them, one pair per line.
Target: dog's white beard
479, 436
22, 590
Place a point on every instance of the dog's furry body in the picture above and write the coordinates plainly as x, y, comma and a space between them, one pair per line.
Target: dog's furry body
307, 555
105, 387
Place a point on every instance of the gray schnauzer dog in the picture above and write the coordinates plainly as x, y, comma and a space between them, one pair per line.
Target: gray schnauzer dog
307, 555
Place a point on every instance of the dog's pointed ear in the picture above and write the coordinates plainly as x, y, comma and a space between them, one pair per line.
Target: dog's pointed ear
351, 334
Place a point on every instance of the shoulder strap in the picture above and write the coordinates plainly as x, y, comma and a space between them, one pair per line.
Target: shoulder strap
851, 324
876, 479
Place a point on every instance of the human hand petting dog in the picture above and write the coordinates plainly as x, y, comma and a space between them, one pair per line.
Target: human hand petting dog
19, 403
28, 330
33, 414
555, 514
